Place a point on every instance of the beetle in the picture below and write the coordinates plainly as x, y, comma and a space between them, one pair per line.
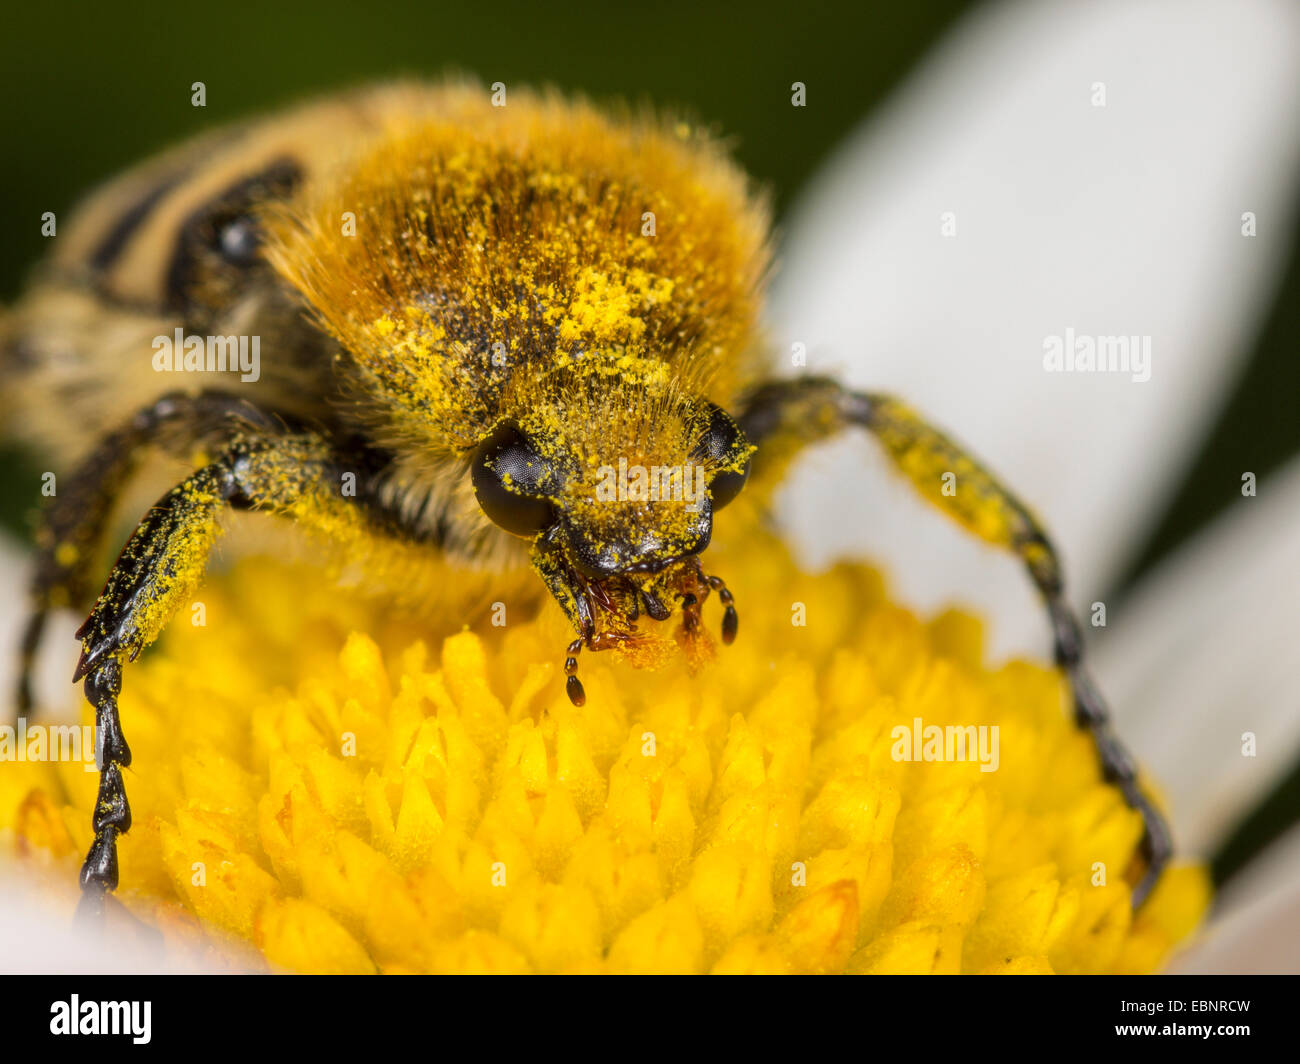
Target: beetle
466, 318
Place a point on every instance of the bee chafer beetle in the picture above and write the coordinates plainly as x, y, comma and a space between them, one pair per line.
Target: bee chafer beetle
522, 336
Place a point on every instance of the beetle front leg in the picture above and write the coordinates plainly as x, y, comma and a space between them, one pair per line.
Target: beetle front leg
159, 568
74, 522
783, 416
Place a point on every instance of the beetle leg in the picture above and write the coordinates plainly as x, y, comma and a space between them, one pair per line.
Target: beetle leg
782, 416
294, 475
73, 525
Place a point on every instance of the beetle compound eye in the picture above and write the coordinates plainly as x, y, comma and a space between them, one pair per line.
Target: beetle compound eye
726, 486
723, 443
510, 480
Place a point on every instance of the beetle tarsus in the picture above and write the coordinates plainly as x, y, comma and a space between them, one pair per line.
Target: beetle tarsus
112, 813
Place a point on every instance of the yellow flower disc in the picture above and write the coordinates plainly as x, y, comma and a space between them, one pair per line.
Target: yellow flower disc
346, 790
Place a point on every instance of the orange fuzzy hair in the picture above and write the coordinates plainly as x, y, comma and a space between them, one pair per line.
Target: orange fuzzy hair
495, 247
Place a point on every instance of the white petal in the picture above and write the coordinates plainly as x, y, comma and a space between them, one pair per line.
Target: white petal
1203, 653
1115, 220
1256, 927
41, 937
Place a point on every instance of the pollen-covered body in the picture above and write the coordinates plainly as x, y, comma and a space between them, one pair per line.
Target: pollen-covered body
494, 245
432, 263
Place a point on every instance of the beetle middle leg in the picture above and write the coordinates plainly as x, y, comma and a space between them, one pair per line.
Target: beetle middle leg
783, 416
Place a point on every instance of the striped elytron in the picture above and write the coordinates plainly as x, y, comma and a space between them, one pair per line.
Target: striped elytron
465, 316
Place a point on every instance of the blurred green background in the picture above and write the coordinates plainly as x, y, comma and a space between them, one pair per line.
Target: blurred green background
92, 89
